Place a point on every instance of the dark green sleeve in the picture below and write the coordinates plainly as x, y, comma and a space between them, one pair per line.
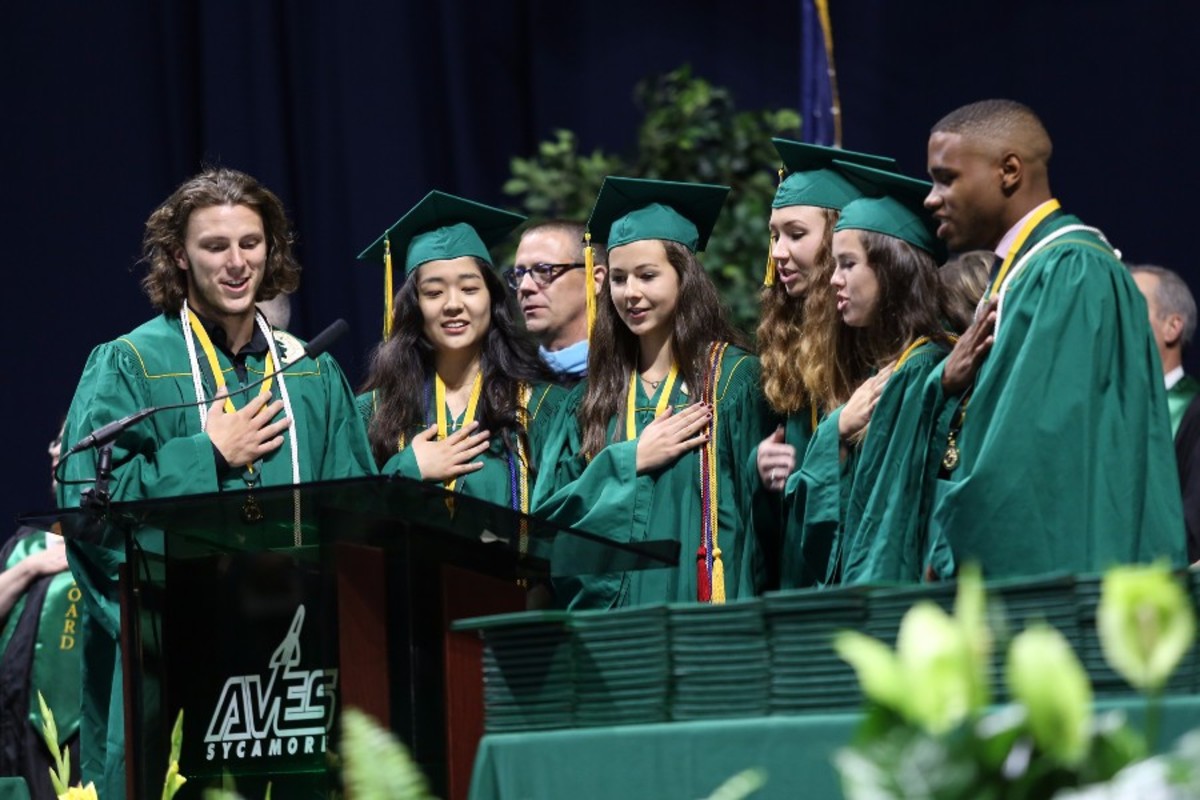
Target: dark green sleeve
1066, 459
750, 552
145, 462
886, 512
346, 452
812, 502
605, 495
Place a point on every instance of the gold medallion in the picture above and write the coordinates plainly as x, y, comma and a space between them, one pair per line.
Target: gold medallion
251, 510
950, 459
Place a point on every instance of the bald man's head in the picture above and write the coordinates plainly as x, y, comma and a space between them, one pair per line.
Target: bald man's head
988, 161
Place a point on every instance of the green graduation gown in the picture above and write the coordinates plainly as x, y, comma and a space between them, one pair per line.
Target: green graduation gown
167, 455
1065, 456
608, 498
494, 482
38, 653
771, 518
861, 520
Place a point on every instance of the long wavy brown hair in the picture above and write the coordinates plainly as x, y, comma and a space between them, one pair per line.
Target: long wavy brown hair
166, 231
797, 336
402, 366
700, 319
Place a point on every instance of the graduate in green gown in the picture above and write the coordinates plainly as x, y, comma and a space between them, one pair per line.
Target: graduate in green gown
655, 443
217, 245
799, 334
39, 621
858, 479
1054, 445
456, 393
39, 635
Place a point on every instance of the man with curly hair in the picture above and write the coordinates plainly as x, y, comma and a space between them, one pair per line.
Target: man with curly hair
217, 246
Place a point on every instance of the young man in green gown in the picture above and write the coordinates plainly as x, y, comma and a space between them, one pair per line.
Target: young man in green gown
1052, 427
214, 248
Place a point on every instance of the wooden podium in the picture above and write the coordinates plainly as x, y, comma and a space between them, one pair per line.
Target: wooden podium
340, 595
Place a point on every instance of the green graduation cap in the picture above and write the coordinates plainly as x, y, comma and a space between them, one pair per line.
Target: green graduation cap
892, 204
813, 180
444, 226
441, 226
632, 209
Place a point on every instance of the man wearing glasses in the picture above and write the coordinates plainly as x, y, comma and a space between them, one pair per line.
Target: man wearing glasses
550, 280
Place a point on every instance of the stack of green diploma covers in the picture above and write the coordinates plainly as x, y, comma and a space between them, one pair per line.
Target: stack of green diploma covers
526, 671
622, 666
719, 660
806, 674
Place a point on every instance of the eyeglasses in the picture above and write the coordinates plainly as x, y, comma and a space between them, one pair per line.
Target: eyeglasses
542, 274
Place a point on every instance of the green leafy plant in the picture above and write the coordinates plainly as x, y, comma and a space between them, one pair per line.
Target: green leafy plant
60, 774
173, 780
560, 181
929, 732
376, 765
691, 131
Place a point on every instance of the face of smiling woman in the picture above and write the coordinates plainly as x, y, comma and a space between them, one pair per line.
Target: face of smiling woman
225, 257
644, 287
455, 304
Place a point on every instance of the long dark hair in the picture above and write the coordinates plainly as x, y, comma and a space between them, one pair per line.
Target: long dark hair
909, 301
700, 319
402, 366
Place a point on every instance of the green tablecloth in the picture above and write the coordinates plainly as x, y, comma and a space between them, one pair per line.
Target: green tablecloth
688, 760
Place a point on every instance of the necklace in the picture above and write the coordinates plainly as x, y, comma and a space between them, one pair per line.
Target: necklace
652, 384
631, 431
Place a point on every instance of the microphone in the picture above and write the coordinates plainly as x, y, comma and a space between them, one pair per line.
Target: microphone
108, 433
323, 340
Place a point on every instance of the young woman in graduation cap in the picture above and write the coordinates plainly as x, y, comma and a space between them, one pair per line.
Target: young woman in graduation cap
653, 444
807, 365
804, 363
859, 487
456, 393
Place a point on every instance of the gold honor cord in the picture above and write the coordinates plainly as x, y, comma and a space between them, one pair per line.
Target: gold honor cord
908, 351
951, 456
210, 353
631, 431
439, 398
1046, 210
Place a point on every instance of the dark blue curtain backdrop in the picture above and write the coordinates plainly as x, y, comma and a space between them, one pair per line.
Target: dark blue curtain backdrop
352, 111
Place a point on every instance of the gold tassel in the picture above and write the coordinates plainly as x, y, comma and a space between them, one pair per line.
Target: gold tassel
718, 578
387, 289
769, 273
589, 261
